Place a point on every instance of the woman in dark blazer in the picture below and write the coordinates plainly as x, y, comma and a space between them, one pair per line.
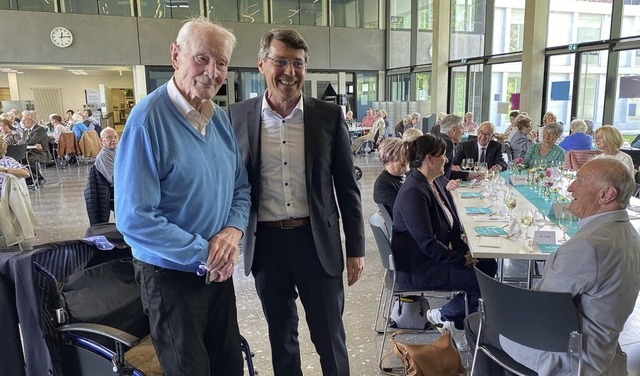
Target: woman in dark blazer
427, 243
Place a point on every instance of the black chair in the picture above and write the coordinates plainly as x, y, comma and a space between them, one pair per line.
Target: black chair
390, 290
17, 152
541, 320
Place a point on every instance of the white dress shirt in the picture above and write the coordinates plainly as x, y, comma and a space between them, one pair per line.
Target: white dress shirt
198, 119
283, 189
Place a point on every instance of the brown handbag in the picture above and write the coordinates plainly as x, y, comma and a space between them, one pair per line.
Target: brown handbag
440, 358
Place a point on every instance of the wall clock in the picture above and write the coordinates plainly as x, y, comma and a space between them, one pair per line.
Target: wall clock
61, 37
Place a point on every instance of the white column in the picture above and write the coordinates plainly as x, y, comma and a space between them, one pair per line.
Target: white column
13, 86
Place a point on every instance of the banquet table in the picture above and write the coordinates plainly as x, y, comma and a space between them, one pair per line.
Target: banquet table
513, 247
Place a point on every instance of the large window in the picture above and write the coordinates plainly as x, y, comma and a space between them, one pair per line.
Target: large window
399, 87
423, 86
508, 28
593, 72
631, 18
399, 51
222, 10
355, 13
424, 50
627, 108
176, 9
298, 12
366, 92
31, 5
577, 21
467, 28
505, 81
560, 87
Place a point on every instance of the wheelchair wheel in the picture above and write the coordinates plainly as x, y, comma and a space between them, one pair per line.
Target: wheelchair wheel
358, 173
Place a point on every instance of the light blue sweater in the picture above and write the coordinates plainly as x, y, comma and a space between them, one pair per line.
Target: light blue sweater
174, 187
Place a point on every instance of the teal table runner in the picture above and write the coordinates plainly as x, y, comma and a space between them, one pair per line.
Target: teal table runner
539, 202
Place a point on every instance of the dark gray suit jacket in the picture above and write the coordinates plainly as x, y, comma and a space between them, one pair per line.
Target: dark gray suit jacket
328, 167
38, 135
469, 149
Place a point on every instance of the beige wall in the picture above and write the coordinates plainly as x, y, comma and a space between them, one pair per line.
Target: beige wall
112, 40
72, 86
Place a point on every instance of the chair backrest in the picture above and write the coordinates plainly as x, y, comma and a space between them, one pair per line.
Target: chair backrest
388, 222
506, 147
574, 159
382, 241
17, 152
541, 320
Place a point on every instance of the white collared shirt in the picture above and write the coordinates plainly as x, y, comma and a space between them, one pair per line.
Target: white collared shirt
283, 189
199, 120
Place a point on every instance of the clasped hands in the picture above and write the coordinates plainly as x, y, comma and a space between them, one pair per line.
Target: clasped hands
223, 251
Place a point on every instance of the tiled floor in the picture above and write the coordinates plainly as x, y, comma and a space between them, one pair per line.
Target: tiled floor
62, 215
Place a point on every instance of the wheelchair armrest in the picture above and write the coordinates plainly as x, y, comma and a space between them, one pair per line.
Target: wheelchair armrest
107, 331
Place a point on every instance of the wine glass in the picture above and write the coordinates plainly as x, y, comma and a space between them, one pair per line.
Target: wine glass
526, 218
564, 222
510, 202
470, 164
539, 219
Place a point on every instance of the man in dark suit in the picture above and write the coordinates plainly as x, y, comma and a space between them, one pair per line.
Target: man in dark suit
37, 137
296, 150
484, 149
451, 131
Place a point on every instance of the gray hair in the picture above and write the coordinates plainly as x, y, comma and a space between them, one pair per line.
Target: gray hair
449, 122
613, 172
487, 124
290, 37
554, 127
578, 126
411, 134
187, 32
415, 115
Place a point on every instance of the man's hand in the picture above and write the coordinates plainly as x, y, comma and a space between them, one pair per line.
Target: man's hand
496, 168
223, 249
469, 260
455, 168
355, 265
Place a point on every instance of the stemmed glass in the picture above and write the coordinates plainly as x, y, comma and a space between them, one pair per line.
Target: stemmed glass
526, 218
564, 222
539, 219
510, 202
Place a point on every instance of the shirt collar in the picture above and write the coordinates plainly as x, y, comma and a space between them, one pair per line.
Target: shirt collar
266, 106
183, 105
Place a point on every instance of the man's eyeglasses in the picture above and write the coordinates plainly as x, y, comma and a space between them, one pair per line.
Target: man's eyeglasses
481, 133
281, 62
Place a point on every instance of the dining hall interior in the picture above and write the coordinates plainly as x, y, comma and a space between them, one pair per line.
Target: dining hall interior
578, 59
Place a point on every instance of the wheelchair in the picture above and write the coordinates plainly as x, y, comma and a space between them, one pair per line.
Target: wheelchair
79, 312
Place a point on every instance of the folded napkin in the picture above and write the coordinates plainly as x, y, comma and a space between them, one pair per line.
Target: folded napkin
477, 210
490, 231
487, 218
548, 248
471, 195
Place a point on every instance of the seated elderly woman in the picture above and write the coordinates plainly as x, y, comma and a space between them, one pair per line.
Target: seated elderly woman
521, 140
546, 151
403, 124
78, 127
427, 239
609, 139
577, 139
388, 183
9, 165
9, 133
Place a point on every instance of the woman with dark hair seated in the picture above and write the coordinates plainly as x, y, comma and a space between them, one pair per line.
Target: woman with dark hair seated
427, 242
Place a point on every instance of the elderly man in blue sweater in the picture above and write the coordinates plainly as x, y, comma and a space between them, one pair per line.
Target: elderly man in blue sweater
182, 198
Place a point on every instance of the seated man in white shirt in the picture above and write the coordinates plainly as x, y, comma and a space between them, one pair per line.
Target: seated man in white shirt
104, 160
599, 266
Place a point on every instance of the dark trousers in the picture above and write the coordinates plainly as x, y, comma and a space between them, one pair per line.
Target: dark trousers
484, 365
286, 264
465, 279
194, 326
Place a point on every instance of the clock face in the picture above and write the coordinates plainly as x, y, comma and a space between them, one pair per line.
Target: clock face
61, 37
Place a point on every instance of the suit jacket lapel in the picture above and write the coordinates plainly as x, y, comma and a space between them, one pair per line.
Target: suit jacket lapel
253, 123
311, 137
